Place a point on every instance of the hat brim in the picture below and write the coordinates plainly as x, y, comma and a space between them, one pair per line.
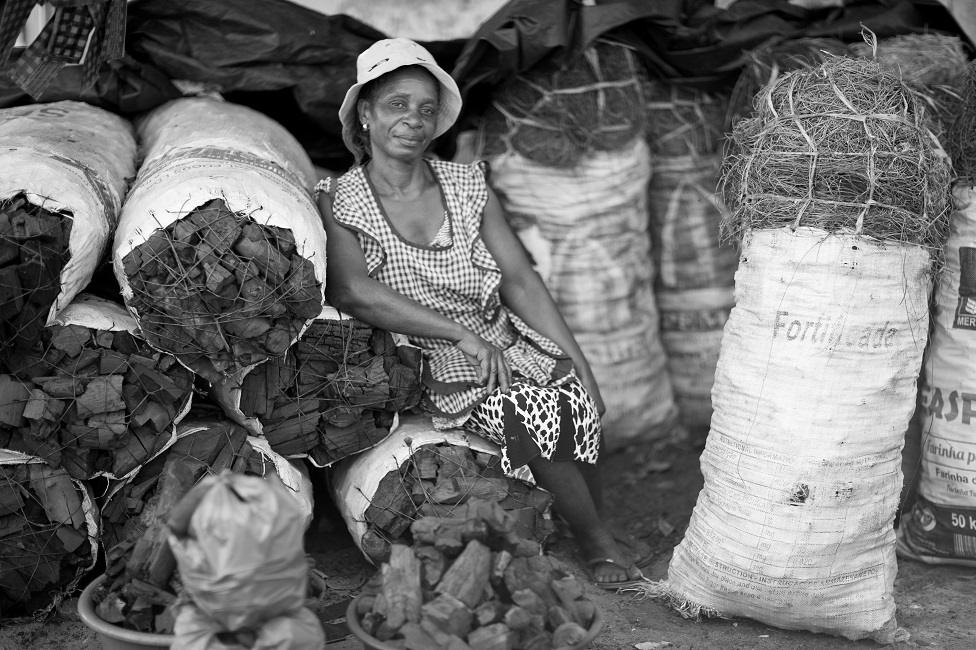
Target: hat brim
450, 97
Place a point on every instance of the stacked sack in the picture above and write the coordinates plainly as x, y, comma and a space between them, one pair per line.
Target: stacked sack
65, 170
570, 164
418, 472
220, 251
838, 192
940, 528
336, 392
694, 270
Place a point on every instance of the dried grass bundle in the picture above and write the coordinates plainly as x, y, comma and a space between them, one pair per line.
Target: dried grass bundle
683, 120
554, 114
765, 64
930, 59
842, 147
960, 137
934, 64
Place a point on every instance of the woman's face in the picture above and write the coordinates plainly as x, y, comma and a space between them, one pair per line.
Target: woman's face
402, 115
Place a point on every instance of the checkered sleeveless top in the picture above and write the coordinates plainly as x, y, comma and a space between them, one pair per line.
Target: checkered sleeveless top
459, 278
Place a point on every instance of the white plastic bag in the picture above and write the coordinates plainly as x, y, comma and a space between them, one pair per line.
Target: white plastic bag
242, 564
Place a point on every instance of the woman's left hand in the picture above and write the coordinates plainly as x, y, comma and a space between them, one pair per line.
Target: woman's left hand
493, 368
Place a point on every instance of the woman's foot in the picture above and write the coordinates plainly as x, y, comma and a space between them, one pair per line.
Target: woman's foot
608, 565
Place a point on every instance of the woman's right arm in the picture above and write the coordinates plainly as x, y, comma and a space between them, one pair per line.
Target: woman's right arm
349, 288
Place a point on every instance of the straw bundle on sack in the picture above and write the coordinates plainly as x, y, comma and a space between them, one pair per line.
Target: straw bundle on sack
556, 114
766, 64
64, 170
961, 126
336, 392
845, 148
90, 396
220, 251
933, 64
48, 534
683, 120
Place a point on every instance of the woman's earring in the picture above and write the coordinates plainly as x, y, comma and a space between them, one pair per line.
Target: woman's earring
365, 126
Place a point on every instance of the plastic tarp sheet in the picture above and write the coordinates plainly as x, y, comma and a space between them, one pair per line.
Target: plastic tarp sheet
290, 62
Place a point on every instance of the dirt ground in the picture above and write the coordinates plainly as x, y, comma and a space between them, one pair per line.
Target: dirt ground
651, 491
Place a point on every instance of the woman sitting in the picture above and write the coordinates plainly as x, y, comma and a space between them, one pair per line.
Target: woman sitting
421, 247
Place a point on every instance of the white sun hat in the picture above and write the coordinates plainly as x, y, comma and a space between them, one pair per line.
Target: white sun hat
388, 55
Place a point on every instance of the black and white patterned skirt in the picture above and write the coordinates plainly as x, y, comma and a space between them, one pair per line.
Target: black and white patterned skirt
558, 423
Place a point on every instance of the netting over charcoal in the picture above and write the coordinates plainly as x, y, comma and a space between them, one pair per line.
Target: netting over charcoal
47, 524
91, 401
219, 290
335, 393
438, 480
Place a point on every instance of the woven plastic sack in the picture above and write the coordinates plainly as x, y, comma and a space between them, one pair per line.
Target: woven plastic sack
200, 149
586, 227
356, 479
692, 325
694, 275
941, 527
71, 158
242, 565
813, 393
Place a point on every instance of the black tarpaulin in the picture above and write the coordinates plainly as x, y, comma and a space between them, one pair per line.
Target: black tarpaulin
676, 39
287, 61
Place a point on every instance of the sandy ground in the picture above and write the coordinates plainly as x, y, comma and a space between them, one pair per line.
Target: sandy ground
651, 492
